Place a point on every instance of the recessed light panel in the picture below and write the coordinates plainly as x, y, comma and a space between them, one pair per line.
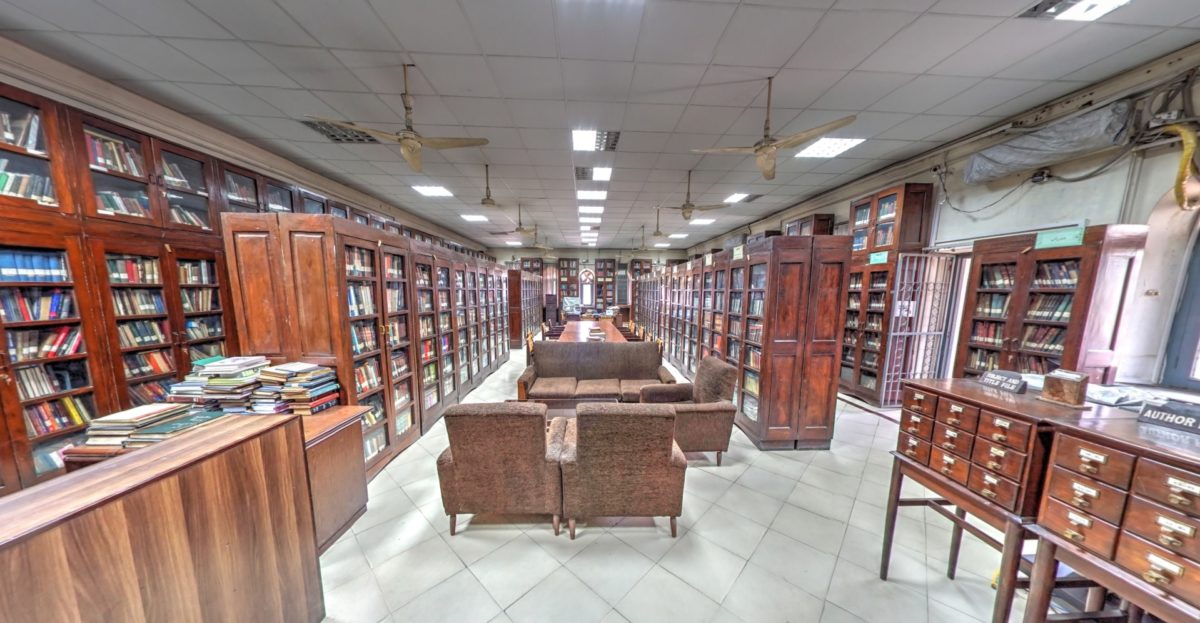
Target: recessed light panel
591, 209
677, 236
513, 243
829, 147
591, 195
590, 219
602, 174
433, 191
702, 221
475, 218
583, 140
585, 228
736, 197
662, 245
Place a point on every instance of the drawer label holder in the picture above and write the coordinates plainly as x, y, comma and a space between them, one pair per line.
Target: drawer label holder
1170, 525
1183, 486
1092, 457
1079, 520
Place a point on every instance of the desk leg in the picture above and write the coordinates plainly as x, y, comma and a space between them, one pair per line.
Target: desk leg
889, 520
1041, 582
955, 543
1009, 565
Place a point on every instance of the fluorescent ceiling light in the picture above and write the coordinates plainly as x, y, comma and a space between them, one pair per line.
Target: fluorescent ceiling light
736, 197
596, 195
662, 244
589, 234
828, 147
585, 228
601, 174
433, 191
591, 244
678, 236
1088, 10
591, 209
589, 219
702, 221
475, 218
583, 140
513, 243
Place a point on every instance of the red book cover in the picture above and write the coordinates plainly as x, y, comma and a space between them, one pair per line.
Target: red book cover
24, 307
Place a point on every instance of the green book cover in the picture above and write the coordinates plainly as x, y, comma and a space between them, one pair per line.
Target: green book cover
177, 425
204, 362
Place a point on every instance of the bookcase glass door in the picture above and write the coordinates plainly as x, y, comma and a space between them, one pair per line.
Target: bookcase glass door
1047, 314
427, 357
397, 343
202, 307
279, 198
144, 329
312, 205
445, 327
185, 190
241, 190
118, 180
362, 281
992, 317
49, 391
27, 174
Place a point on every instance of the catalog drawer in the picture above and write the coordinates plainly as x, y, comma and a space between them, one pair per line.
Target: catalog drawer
957, 414
914, 448
953, 467
916, 424
1000, 429
952, 439
998, 458
1103, 464
920, 401
1092, 496
998, 489
1176, 488
1170, 572
1169, 529
1087, 531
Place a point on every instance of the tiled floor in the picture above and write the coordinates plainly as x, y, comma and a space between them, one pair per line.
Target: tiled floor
768, 536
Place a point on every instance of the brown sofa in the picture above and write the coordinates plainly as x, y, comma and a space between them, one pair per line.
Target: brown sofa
703, 410
503, 458
621, 460
592, 370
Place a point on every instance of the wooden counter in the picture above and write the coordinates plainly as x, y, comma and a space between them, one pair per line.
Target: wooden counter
337, 476
215, 525
577, 331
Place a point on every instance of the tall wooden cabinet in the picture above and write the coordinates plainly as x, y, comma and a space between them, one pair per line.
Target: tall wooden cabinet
568, 278
883, 226
811, 225
1038, 303
524, 306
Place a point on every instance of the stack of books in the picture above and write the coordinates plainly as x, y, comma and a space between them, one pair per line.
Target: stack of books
268, 397
309, 388
114, 430
231, 381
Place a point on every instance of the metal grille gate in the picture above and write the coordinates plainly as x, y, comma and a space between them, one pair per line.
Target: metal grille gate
923, 300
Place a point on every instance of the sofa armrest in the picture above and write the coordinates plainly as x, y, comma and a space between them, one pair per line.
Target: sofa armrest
678, 458
723, 407
525, 381
675, 392
445, 469
665, 375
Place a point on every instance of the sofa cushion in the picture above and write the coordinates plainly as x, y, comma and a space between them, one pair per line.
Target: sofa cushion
631, 390
609, 389
553, 387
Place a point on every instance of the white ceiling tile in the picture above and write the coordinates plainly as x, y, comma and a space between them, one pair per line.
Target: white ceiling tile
760, 36
885, 5
544, 138
860, 89
1164, 43
750, 122
598, 30
597, 80
995, 8
480, 111
360, 107
1041, 95
923, 93
78, 15
294, 103
237, 126
684, 143
424, 26
651, 117
984, 95
157, 58
16, 18
595, 115
173, 96
457, 75
1004, 45
235, 61
632, 160
233, 98
350, 24
664, 83
165, 18
708, 119
324, 150
513, 27
921, 126
537, 113
1092, 43
681, 32
255, 21
497, 155
1154, 13
643, 141
382, 72
532, 78
731, 86
313, 68
427, 109
506, 138
926, 42
799, 88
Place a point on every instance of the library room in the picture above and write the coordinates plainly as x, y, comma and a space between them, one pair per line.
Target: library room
600, 311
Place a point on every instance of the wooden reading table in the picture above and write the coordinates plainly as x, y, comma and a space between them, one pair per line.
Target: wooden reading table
578, 330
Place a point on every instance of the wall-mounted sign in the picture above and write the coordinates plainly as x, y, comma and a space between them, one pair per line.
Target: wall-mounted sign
878, 257
1003, 380
1067, 237
739, 251
708, 259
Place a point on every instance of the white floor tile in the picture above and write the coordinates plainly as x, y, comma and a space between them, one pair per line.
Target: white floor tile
513, 569
610, 567
779, 554
560, 598
461, 599
760, 596
706, 566
660, 596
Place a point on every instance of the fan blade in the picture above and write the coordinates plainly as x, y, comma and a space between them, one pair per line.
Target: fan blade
502, 233
724, 150
444, 142
387, 136
411, 151
800, 138
712, 207
671, 207
766, 163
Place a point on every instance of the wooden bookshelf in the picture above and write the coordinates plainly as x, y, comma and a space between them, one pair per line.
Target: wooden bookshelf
883, 225
1033, 310
606, 283
531, 265
811, 225
771, 308
524, 306
34, 148
568, 278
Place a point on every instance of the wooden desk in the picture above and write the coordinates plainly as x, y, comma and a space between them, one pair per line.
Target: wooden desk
577, 331
214, 525
337, 477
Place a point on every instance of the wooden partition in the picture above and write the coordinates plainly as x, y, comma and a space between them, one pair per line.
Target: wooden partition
216, 525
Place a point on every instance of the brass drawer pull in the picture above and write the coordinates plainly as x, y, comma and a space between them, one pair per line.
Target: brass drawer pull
1088, 468
912, 429
993, 465
948, 445
1169, 540
999, 437
1155, 577
946, 470
1073, 535
989, 494
954, 421
1080, 501
911, 452
1178, 500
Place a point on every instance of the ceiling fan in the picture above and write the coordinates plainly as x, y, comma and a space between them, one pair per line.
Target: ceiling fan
688, 207
410, 140
658, 234
644, 247
764, 151
521, 230
487, 189
540, 245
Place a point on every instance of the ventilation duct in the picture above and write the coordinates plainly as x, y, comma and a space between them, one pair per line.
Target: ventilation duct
1056, 143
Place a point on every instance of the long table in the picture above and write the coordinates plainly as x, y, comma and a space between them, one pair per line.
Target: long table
577, 331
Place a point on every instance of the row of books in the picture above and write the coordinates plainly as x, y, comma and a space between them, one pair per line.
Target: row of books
50, 417
33, 266
395, 299
188, 215
231, 380
50, 378
113, 154
360, 262
196, 272
113, 202
21, 126
1047, 339
150, 392
754, 331
147, 363
1033, 364
363, 337
200, 299
29, 344
204, 327
176, 177
360, 299
997, 275
1063, 274
240, 188
133, 269
144, 425
993, 305
367, 376
140, 333
1053, 307
137, 302
394, 266
991, 333
399, 363
35, 185
306, 388
978, 359
36, 303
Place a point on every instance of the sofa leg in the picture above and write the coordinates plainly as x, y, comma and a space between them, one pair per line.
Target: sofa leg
674, 528
555, 520
453, 524
718, 458
571, 528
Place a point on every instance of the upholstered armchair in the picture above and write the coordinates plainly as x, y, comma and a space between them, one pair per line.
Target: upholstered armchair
503, 458
703, 410
620, 459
